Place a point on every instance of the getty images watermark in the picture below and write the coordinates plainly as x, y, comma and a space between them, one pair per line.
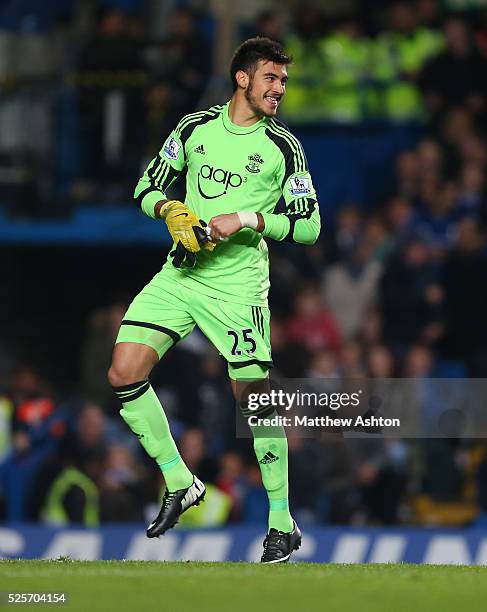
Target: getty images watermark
289, 401
392, 407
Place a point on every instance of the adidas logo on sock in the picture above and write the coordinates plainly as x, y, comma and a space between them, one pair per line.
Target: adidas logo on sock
200, 149
268, 458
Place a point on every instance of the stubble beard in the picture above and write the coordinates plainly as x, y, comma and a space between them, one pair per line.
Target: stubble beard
252, 102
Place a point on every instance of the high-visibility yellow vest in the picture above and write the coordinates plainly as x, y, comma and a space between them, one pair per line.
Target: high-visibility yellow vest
54, 511
302, 102
6, 416
395, 55
343, 91
214, 511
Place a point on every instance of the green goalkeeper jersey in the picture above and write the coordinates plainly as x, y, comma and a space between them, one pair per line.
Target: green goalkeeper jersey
261, 168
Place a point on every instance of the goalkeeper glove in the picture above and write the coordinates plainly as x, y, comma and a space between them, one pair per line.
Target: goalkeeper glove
187, 231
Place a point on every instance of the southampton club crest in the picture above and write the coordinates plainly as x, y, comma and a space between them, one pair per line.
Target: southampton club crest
255, 161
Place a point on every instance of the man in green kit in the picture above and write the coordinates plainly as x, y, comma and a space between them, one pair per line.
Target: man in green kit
248, 178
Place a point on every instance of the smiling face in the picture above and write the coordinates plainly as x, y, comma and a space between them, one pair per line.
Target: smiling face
264, 88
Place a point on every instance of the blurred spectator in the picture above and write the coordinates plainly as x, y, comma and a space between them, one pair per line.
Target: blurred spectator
313, 325
73, 496
90, 479
472, 199
377, 238
162, 103
446, 488
213, 391
96, 354
302, 102
430, 158
193, 449
381, 476
418, 362
351, 360
400, 55
255, 504
436, 222
481, 31
466, 278
371, 327
350, 288
89, 436
38, 426
123, 487
473, 149
111, 73
407, 174
306, 485
429, 13
6, 419
340, 499
411, 297
69, 491
324, 364
457, 125
290, 356
232, 480
456, 76
380, 362
180, 63
401, 218
35, 423
346, 62
269, 24
347, 231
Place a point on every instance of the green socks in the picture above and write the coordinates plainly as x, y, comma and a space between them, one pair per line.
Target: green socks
270, 445
145, 416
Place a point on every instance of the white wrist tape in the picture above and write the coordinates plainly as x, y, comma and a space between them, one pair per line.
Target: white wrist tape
248, 219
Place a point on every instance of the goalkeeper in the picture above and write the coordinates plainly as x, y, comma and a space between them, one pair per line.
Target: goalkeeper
247, 179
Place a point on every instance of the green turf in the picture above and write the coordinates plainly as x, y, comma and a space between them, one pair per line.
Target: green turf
234, 587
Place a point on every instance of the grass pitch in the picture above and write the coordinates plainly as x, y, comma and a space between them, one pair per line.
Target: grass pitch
235, 587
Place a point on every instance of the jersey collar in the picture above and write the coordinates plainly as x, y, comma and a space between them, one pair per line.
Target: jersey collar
239, 129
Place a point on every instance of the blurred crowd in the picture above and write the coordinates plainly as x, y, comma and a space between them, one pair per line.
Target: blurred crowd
383, 294
89, 89
397, 288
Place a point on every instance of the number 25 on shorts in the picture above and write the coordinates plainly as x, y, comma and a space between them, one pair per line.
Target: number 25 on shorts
246, 338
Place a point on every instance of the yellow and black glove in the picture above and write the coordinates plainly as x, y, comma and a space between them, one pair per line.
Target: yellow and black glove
187, 231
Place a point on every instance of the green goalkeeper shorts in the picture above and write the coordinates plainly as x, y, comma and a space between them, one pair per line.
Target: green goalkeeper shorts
163, 308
